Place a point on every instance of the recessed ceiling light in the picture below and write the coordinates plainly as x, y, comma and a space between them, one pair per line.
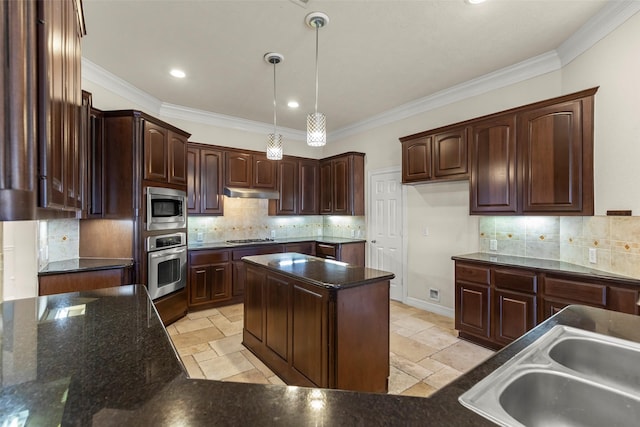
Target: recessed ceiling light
293, 104
177, 73
474, 1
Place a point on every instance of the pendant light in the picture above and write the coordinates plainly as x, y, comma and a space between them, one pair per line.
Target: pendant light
274, 141
316, 122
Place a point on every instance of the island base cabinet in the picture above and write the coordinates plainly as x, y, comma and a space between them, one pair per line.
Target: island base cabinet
314, 336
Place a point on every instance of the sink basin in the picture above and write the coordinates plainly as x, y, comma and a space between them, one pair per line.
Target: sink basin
567, 377
609, 362
548, 398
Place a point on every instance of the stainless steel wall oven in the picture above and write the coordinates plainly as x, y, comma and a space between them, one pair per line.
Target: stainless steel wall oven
166, 263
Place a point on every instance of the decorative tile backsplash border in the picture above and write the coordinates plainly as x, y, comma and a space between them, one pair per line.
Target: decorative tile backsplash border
248, 218
615, 239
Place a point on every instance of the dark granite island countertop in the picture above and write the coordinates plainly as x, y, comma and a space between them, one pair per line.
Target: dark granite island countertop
112, 363
319, 271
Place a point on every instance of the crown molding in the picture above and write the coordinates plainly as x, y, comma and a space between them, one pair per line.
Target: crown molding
533, 67
595, 29
221, 120
610, 17
98, 75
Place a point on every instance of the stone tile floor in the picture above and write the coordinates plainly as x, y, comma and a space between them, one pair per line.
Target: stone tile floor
425, 351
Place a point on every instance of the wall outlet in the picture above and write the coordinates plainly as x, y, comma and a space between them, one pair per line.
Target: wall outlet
434, 294
593, 255
493, 245
200, 236
353, 233
273, 234
425, 231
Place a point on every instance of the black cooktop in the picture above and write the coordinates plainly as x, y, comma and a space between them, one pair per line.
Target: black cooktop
251, 241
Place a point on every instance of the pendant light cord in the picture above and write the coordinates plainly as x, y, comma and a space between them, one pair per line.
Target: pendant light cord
317, 29
274, 99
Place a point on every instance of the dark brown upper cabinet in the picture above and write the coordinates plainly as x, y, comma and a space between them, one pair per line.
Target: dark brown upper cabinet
165, 155
493, 166
342, 184
536, 159
288, 184
60, 26
137, 156
441, 154
556, 150
309, 185
416, 159
204, 180
249, 170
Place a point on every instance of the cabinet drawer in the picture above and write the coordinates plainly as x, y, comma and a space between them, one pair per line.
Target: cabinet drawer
324, 250
517, 280
473, 273
589, 293
208, 257
261, 250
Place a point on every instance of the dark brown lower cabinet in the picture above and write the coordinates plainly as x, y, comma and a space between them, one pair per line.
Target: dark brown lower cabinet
172, 307
473, 304
318, 337
516, 314
209, 278
497, 304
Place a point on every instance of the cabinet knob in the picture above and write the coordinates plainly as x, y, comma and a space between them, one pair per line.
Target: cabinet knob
373, 241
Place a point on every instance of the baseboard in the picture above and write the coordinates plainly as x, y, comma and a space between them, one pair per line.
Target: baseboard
434, 308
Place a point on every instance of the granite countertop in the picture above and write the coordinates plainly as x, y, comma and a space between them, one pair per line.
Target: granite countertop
545, 265
84, 264
225, 245
319, 271
112, 363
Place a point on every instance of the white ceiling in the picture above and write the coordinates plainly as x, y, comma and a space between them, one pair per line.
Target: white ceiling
374, 55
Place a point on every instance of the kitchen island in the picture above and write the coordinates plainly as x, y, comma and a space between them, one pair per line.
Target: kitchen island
103, 358
318, 322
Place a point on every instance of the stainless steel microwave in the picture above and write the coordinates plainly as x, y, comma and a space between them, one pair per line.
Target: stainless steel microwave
166, 208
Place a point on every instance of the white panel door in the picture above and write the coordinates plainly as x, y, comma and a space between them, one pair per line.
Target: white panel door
385, 227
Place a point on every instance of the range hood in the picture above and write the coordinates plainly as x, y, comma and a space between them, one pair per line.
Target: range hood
251, 193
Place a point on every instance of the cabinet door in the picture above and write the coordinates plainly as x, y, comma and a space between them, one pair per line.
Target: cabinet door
623, 300
55, 116
277, 315
551, 149
155, 152
287, 204
450, 154
551, 307
416, 159
95, 166
238, 169
209, 283
515, 315
493, 166
193, 180
341, 169
211, 198
309, 343
326, 188
309, 182
254, 303
177, 152
264, 172
473, 309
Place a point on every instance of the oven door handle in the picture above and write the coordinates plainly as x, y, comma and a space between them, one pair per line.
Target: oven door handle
166, 252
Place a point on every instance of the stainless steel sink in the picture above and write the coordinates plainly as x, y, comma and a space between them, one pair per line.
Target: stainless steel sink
568, 377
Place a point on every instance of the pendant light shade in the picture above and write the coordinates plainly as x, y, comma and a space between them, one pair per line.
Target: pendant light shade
274, 140
316, 122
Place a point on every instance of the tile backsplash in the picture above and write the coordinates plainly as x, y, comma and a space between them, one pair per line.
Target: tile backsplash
616, 240
58, 240
248, 218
